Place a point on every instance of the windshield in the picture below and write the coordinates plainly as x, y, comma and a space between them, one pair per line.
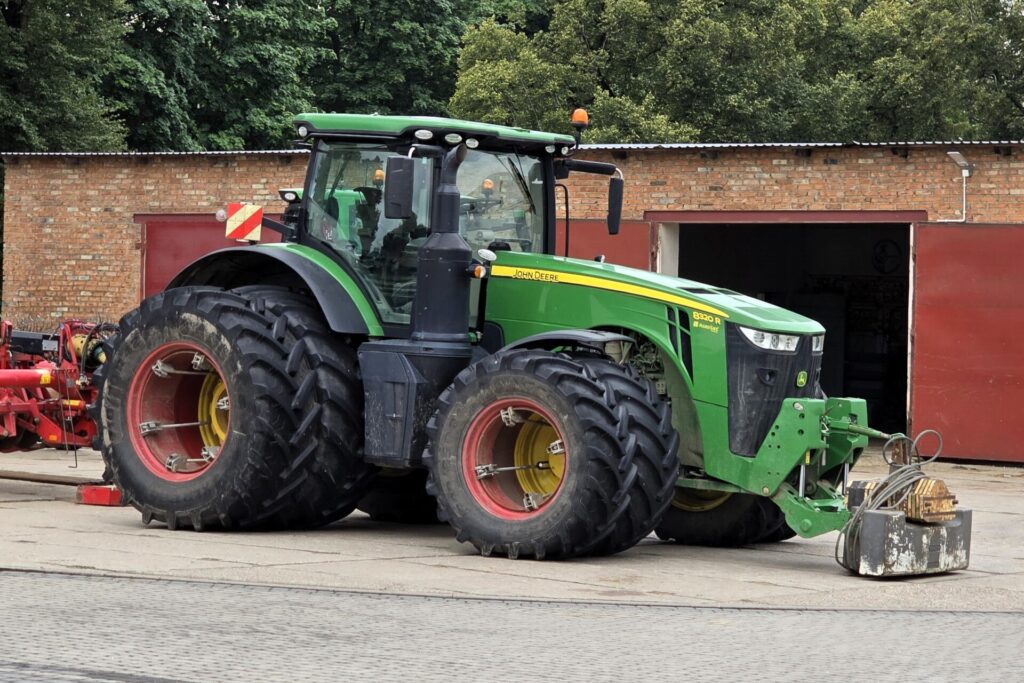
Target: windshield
502, 201
502, 209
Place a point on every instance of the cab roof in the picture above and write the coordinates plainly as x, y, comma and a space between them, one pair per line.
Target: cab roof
374, 124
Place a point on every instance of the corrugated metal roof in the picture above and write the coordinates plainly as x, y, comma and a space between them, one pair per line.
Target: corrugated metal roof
713, 145
156, 154
798, 145
941, 143
609, 146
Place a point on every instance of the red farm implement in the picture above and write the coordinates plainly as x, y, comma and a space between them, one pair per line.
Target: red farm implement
46, 385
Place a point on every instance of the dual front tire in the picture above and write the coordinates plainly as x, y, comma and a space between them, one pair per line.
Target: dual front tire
719, 519
544, 455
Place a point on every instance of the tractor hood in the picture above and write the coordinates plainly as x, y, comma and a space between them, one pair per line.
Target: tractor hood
695, 296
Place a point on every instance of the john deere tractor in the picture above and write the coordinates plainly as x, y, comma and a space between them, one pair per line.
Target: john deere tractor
414, 346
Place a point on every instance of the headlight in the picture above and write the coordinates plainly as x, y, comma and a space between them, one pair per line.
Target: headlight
818, 344
771, 341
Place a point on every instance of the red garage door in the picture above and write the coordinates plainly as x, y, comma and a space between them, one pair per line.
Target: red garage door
172, 241
590, 238
967, 369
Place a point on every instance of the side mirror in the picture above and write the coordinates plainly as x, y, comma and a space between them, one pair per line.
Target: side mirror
398, 187
615, 190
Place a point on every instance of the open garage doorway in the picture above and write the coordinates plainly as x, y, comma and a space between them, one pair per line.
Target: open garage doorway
852, 278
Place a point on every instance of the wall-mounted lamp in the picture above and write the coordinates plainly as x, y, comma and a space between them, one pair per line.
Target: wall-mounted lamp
966, 168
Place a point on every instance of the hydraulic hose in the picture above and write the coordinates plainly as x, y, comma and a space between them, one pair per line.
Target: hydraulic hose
890, 493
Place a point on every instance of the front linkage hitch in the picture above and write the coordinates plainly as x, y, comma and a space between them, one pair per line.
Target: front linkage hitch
904, 524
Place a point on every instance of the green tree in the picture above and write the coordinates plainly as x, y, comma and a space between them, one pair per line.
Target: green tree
54, 56
155, 75
254, 71
529, 16
505, 77
388, 56
943, 69
772, 70
622, 119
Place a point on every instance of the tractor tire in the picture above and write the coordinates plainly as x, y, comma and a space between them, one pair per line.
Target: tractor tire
400, 497
339, 477
776, 529
95, 409
725, 520
657, 444
533, 455
218, 410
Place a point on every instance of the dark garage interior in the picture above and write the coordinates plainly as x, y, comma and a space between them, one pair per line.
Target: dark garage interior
852, 278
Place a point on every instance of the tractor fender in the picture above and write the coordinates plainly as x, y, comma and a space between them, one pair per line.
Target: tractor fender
590, 339
344, 305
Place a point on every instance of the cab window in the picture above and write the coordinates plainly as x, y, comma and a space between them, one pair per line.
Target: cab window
345, 211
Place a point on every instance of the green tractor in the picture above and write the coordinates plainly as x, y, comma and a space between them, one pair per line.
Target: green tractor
414, 347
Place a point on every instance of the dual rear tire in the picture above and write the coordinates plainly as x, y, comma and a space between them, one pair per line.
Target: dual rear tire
233, 409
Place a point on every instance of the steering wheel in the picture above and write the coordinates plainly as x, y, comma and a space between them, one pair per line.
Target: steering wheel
525, 244
372, 194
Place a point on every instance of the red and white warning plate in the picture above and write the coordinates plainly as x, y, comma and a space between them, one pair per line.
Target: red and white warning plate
244, 221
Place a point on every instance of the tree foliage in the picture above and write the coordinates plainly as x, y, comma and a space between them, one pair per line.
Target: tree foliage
397, 56
219, 74
156, 75
53, 57
778, 70
255, 71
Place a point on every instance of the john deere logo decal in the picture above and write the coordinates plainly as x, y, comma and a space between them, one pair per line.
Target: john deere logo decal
801, 378
563, 278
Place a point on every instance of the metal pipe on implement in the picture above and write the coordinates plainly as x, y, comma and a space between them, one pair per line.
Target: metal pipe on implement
20, 378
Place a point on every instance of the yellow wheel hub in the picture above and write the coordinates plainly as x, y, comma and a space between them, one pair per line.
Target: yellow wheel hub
697, 500
214, 410
541, 453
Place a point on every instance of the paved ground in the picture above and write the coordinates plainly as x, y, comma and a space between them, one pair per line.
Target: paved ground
89, 594
79, 628
41, 530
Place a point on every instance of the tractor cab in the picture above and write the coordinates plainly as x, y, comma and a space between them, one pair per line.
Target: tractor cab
505, 182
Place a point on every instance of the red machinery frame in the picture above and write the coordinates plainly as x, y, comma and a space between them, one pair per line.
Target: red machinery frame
46, 385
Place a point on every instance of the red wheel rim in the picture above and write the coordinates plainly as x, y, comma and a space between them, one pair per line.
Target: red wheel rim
502, 455
165, 391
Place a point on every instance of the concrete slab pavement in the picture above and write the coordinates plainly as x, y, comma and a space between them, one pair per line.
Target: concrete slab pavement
88, 629
40, 529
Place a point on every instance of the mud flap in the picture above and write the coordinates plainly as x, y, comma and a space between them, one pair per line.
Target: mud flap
889, 545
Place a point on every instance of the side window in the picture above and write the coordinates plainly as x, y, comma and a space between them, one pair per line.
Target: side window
345, 211
502, 201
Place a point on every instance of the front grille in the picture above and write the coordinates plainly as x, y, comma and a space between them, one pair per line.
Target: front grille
759, 381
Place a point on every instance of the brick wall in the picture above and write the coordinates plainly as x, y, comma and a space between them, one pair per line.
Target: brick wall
835, 179
71, 246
